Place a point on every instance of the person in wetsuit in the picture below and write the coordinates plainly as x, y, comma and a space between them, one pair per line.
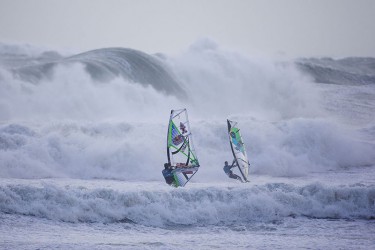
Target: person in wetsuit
168, 175
228, 170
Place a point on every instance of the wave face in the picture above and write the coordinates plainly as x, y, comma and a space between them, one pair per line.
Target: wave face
208, 206
351, 70
102, 65
70, 125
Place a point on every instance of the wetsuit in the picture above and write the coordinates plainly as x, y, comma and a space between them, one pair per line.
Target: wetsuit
168, 175
229, 172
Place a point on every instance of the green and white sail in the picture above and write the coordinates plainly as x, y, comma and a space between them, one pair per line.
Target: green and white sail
180, 149
238, 149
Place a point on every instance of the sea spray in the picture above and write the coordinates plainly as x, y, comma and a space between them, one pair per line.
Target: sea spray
209, 206
84, 128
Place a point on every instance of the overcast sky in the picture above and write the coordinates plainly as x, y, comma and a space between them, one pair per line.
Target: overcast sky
292, 27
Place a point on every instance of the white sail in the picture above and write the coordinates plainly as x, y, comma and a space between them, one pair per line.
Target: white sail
238, 149
181, 154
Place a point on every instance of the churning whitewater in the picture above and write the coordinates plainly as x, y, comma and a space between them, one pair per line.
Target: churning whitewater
201, 206
83, 141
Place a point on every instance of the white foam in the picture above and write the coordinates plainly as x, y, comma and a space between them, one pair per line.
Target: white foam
84, 129
199, 206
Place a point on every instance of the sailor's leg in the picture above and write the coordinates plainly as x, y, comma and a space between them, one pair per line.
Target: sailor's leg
238, 178
233, 176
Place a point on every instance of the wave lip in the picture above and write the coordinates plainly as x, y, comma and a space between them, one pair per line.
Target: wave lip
350, 71
107, 63
209, 206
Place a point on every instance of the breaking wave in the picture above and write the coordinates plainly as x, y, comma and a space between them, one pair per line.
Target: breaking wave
103, 114
102, 65
208, 206
351, 70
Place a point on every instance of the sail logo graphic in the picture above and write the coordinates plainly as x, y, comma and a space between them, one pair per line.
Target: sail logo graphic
177, 137
236, 139
183, 128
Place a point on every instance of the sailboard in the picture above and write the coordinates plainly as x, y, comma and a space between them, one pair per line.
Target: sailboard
238, 149
182, 158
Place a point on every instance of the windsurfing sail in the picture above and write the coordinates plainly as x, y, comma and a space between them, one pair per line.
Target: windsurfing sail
182, 158
238, 149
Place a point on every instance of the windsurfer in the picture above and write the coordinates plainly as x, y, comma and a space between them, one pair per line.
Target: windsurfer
228, 170
168, 175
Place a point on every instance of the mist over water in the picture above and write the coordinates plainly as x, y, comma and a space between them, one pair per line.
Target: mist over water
83, 143
96, 117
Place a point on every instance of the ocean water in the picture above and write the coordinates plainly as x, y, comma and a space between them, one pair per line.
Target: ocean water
83, 143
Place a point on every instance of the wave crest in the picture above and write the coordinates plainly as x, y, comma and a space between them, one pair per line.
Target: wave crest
208, 206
